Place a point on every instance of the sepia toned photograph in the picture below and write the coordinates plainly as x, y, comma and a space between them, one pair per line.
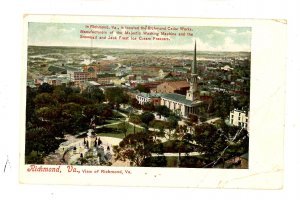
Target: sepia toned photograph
137, 95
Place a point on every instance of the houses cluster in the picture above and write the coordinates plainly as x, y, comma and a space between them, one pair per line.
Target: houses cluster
175, 84
110, 75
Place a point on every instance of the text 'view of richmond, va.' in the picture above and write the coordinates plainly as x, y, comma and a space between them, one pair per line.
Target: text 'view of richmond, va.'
133, 95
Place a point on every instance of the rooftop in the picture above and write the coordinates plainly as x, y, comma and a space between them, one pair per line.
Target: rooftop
179, 98
237, 110
92, 83
150, 95
180, 84
177, 84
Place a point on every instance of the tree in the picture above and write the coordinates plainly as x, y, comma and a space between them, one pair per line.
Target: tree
34, 158
142, 88
182, 141
93, 93
68, 90
157, 161
78, 98
30, 105
71, 108
48, 113
243, 103
172, 124
159, 126
146, 118
135, 148
91, 110
59, 94
210, 142
237, 139
72, 118
105, 112
44, 99
45, 88
148, 106
123, 127
135, 119
163, 110
193, 118
206, 107
134, 103
116, 96
222, 104
41, 141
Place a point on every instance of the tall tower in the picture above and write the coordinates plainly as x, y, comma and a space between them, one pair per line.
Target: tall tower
193, 93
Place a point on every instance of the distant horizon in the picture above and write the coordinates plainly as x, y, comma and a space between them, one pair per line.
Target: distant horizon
139, 49
208, 38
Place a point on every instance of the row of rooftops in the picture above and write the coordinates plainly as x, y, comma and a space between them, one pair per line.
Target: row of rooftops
149, 95
239, 111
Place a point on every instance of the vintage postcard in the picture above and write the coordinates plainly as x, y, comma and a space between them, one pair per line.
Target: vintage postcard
148, 101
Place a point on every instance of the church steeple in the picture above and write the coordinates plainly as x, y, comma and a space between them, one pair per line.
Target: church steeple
194, 65
193, 93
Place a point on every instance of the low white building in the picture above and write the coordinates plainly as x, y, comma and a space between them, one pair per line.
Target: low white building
239, 118
143, 98
227, 68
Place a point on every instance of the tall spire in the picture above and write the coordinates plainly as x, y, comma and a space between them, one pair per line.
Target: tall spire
194, 66
193, 93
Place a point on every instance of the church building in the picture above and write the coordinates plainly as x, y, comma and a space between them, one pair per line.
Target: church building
183, 105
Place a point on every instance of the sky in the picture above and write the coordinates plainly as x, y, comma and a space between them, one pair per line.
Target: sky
208, 38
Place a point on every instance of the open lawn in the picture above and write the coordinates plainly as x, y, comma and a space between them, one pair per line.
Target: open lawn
115, 130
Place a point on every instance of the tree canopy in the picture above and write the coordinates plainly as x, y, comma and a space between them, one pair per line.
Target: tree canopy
116, 96
163, 110
222, 104
53, 111
45, 88
93, 93
220, 142
146, 118
135, 148
142, 88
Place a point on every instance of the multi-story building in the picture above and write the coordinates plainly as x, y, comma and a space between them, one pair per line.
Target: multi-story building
106, 80
239, 118
81, 76
91, 70
71, 71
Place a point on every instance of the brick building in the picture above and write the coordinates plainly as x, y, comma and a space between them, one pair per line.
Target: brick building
179, 87
81, 76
